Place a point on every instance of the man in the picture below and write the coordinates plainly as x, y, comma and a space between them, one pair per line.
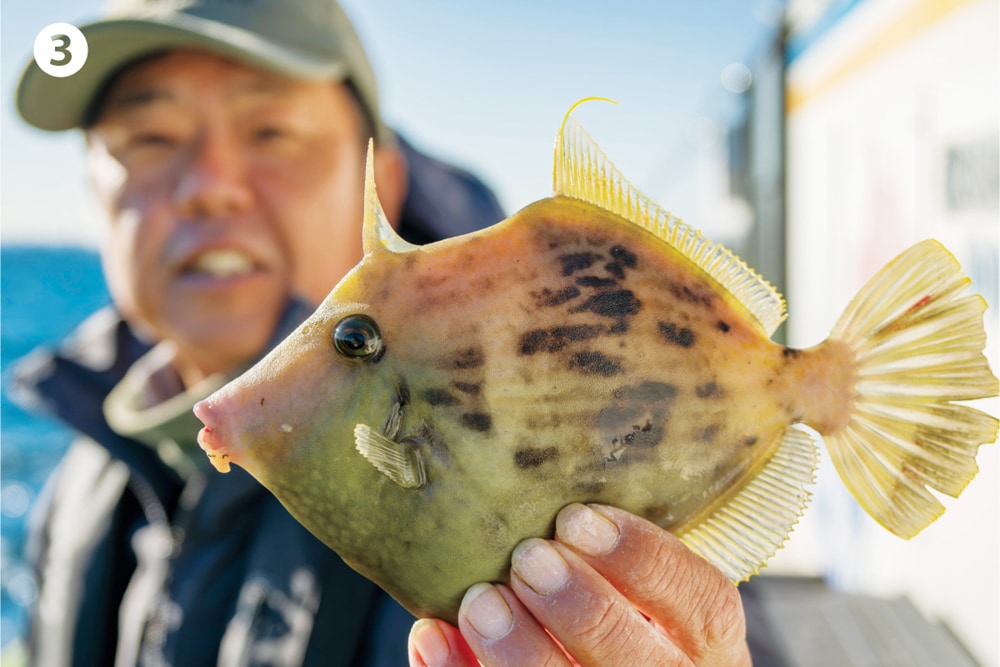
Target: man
226, 145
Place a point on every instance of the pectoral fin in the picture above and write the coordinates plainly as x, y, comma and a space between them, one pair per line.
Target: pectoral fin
399, 461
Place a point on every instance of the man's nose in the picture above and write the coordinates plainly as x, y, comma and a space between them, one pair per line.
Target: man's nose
212, 182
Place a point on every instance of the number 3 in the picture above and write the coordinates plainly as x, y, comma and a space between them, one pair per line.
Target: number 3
63, 49
60, 49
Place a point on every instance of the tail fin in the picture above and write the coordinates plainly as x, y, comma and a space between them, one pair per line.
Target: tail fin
918, 344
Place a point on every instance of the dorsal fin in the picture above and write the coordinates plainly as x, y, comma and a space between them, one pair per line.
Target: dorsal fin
377, 231
582, 171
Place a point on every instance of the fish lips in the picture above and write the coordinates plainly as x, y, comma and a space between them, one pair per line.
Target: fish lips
211, 437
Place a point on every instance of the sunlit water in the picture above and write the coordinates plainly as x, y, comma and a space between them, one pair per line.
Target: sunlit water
45, 292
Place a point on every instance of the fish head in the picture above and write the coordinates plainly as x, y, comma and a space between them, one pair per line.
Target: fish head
290, 420
298, 405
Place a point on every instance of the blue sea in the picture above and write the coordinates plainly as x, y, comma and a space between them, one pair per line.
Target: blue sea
46, 292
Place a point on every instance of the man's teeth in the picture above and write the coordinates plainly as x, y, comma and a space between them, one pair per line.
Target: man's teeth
223, 263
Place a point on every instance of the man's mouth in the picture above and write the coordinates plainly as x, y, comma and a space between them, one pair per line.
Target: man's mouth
221, 263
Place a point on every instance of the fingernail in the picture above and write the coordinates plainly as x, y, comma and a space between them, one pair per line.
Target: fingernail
429, 643
540, 566
589, 531
486, 610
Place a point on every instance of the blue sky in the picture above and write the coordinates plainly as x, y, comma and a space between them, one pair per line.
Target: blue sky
482, 84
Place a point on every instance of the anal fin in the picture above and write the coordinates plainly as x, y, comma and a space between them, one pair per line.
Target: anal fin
399, 461
743, 534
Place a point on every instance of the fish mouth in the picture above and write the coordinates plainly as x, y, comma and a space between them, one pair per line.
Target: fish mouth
210, 438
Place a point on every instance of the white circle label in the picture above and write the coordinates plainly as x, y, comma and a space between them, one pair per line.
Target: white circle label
60, 49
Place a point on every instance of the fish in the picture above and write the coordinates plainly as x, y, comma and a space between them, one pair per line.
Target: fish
445, 401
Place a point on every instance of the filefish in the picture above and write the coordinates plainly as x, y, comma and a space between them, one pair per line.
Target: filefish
445, 401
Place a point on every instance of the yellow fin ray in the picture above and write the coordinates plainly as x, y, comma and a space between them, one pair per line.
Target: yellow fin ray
918, 347
743, 534
582, 171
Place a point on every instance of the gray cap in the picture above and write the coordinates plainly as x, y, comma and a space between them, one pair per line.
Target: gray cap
305, 39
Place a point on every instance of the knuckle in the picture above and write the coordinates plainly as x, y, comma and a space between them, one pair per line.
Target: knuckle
717, 617
603, 629
668, 568
723, 623
727, 617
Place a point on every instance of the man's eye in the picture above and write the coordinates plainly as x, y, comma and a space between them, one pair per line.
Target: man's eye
268, 133
153, 141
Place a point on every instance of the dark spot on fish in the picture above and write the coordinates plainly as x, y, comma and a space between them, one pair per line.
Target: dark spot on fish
547, 298
595, 281
620, 303
722, 326
470, 357
685, 293
402, 391
427, 436
637, 417
590, 487
567, 334
749, 441
595, 362
647, 392
624, 255
708, 390
655, 512
644, 436
619, 327
470, 388
790, 353
533, 341
261, 401
615, 269
532, 457
477, 421
577, 261
440, 397
710, 432
555, 339
677, 335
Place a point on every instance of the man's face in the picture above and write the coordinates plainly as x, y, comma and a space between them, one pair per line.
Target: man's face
227, 188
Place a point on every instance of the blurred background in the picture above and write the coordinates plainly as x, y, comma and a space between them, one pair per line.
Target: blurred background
817, 138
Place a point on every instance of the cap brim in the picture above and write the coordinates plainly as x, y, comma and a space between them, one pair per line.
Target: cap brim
53, 103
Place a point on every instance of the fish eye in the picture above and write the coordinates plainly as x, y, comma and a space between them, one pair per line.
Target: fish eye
357, 337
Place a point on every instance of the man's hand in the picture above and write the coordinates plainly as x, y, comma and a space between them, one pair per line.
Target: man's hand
611, 589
